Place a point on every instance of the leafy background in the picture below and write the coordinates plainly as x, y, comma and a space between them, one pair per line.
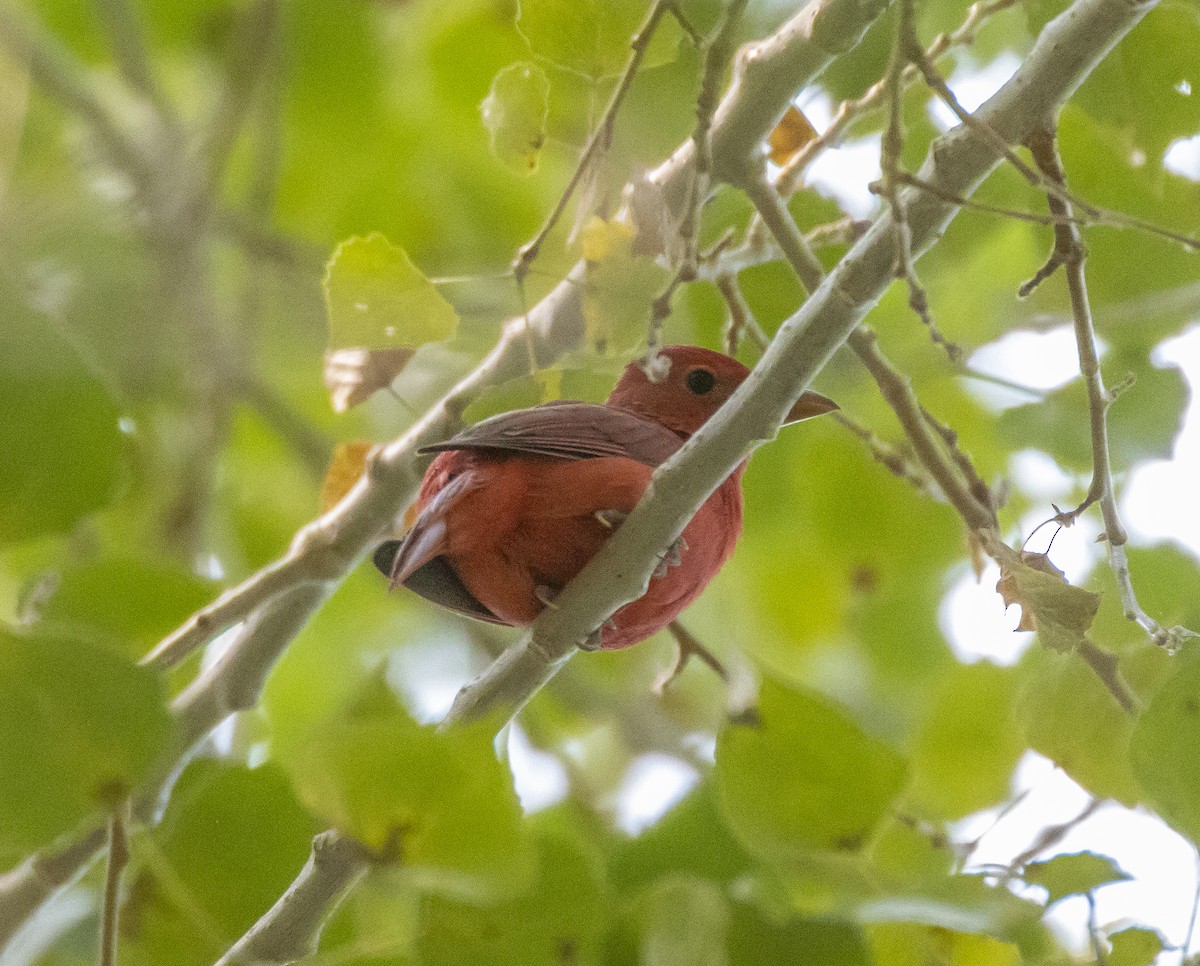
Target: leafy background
165, 430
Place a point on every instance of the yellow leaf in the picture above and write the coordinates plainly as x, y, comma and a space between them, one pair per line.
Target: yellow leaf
790, 135
349, 461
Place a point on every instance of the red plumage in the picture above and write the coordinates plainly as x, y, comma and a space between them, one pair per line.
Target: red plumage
510, 510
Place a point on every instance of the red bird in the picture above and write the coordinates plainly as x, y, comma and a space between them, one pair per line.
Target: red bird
512, 508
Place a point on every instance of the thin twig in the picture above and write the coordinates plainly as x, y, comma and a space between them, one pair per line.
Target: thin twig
905, 47
890, 457
118, 858
600, 138
289, 929
689, 646
124, 26
850, 111
741, 317
1051, 835
1069, 253
927, 442
1108, 670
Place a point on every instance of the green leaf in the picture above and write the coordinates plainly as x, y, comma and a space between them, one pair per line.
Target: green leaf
79, 728
1163, 748
59, 436
966, 751
376, 299
1073, 875
127, 604
692, 837
1072, 719
621, 284
915, 944
440, 800
224, 824
683, 922
592, 37
806, 778
1142, 424
514, 113
561, 917
756, 940
1145, 89
1134, 947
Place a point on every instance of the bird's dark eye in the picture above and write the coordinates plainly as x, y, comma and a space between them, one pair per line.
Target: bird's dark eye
700, 381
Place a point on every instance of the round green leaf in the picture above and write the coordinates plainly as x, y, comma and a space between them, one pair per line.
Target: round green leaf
1073, 875
592, 37
806, 778
377, 299
224, 824
967, 748
1164, 743
79, 727
61, 444
438, 800
514, 113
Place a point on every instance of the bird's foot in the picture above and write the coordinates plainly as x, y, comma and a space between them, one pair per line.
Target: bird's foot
611, 519
593, 641
672, 558
546, 595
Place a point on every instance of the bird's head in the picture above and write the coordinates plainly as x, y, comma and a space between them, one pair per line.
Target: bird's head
696, 384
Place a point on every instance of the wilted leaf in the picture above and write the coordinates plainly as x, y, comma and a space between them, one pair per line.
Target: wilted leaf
349, 461
1164, 743
355, 375
790, 135
79, 727
380, 310
806, 778
1062, 614
1073, 875
620, 288
514, 114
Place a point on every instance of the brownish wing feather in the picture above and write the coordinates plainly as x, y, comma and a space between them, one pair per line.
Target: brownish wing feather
569, 431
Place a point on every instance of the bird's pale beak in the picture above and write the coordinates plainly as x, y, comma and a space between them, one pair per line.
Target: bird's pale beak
809, 405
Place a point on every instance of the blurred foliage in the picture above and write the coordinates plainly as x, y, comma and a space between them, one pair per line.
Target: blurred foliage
325, 198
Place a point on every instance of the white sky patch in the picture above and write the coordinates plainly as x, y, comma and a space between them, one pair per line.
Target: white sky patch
844, 172
430, 671
1183, 158
1160, 497
972, 85
976, 624
1041, 360
652, 785
540, 779
1162, 864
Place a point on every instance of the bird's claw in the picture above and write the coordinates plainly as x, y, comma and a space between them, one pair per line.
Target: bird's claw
593, 641
610, 519
546, 595
672, 558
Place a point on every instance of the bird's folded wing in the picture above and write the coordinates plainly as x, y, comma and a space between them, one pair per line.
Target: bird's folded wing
571, 431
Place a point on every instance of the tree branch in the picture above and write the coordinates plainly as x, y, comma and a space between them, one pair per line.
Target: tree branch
1067, 50
289, 929
281, 597
1069, 253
